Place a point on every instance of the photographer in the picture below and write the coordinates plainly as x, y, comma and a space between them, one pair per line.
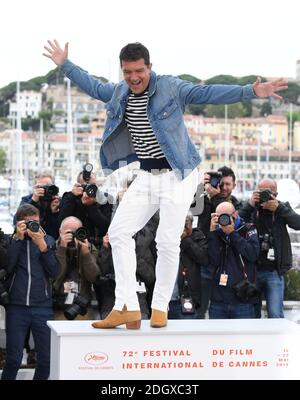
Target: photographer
45, 198
77, 271
233, 249
271, 218
32, 264
3, 250
192, 289
3, 267
82, 203
218, 188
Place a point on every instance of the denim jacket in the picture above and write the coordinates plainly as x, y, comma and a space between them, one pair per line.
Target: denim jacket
168, 97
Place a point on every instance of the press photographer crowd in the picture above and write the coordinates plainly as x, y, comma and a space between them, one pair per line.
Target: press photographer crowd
58, 262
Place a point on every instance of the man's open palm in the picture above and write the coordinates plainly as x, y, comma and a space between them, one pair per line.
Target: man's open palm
55, 52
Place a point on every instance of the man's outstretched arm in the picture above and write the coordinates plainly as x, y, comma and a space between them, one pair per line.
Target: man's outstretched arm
226, 94
90, 85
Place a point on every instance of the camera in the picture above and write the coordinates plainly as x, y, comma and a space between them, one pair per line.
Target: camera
4, 296
245, 290
50, 191
215, 178
265, 195
225, 219
80, 234
266, 242
79, 306
90, 190
33, 226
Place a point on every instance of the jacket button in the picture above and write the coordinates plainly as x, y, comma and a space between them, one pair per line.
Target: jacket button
110, 129
165, 113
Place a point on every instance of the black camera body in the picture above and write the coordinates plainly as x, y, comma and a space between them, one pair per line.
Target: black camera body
50, 192
33, 226
90, 189
215, 178
4, 296
265, 195
245, 290
225, 219
79, 306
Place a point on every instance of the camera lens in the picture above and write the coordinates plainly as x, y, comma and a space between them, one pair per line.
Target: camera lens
224, 219
33, 226
79, 306
91, 190
81, 234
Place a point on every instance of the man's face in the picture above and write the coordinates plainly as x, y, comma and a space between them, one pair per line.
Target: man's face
227, 186
136, 75
44, 181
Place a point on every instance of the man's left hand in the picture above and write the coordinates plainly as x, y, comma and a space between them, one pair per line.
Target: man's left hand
39, 239
269, 89
270, 205
228, 229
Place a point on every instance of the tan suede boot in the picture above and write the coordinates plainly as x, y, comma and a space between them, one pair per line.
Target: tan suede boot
159, 319
132, 319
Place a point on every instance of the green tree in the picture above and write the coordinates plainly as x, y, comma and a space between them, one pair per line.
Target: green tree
292, 94
2, 161
292, 285
85, 119
223, 80
266, 109
234, 110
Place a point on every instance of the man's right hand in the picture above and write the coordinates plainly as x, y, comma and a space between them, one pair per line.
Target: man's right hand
21, 229
55, 52
65, 238
210, 190
37, 193
214, 222
77, 189
254, 199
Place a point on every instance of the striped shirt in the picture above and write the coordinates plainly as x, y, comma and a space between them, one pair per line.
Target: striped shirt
143, 139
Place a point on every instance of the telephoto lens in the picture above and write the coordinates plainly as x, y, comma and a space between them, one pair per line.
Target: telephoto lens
79, 306
224, 219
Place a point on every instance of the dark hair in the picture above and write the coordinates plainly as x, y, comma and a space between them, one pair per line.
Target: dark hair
226, 171
134, 52
26, 210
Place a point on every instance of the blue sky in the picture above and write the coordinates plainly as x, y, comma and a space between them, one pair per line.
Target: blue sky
203, 38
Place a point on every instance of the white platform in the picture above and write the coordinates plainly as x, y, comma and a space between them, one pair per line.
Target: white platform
185, 349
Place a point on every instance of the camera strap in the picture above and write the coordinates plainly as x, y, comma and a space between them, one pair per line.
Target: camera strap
243, 265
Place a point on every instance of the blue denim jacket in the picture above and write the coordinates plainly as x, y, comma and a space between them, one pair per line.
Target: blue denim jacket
168, 97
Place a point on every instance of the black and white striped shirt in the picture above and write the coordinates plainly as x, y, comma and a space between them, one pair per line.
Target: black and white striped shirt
144, 141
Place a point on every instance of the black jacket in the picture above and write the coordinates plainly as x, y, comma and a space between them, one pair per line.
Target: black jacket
224, 256
210, 206
30, 272
95, 217
48, 220
193, 258
284, 216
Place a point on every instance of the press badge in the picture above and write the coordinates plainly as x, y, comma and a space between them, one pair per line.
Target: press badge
223, 280
71, 288
140, 287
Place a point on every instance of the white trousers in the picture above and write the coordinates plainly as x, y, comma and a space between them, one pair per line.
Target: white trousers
145, 196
